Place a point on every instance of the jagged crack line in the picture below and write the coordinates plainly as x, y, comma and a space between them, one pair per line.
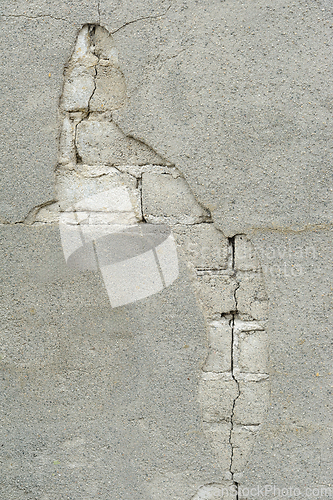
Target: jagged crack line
232, 322
91, 33
235, 400
141, 19
77, 155
41, 16
139, 185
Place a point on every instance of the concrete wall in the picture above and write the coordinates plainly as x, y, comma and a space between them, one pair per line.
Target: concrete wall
216, 119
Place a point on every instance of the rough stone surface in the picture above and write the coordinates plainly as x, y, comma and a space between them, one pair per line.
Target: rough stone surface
251, 296
169, 199
103, 142
219, 437
79, 85
220, 342
216, 395
98, 206
253, 352
72, 187
245, 255
251, 405
110, 93
216, 293
242, 439
237, 96
204, 245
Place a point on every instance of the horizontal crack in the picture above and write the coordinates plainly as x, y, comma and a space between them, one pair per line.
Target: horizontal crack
41, 16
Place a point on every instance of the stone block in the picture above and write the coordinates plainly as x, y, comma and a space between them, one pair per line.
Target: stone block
216, 293
220, 340
74, 188
251, 295
78, 87
168, 199
49, 214
110, 92
204, 246
217, 362
104, 143
251, 405
220, 335
242, 440
252, 352
104, 46
79, 83
218, 435
245, 254
216, 396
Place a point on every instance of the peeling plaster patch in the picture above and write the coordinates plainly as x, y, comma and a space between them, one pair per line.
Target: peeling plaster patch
95, 160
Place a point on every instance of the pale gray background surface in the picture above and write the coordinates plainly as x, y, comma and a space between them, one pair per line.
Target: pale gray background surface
238, 96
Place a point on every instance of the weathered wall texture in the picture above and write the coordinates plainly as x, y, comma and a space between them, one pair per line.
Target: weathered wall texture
214, 119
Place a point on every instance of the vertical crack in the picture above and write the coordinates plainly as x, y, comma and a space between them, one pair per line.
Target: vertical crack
77, 155
232, 322
92, 29
233, 342
139, 186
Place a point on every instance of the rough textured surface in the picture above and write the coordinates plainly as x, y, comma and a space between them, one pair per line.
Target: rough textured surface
216, 293
38, 38
186, 66
73, 186
168, 199
217, 397
102, 402
237, 96
251, 296
205, 247
298, 277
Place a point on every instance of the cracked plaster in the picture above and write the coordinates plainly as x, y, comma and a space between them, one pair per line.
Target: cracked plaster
228, 392
31, 219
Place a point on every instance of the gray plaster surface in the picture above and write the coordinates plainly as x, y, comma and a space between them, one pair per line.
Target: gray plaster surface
237, 95
97, 402
100, 402
296, 443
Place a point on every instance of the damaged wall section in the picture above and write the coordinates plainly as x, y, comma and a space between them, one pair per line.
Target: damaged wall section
95, 156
